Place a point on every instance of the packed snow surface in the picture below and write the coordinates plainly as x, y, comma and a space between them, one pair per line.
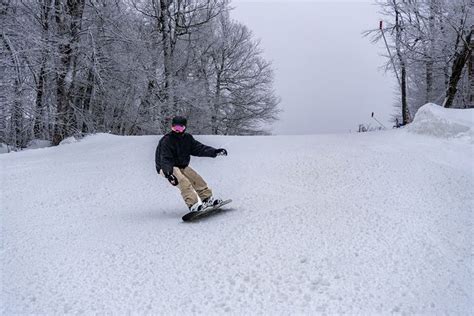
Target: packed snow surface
359, 223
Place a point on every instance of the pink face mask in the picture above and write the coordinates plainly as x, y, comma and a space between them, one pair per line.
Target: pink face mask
178, 128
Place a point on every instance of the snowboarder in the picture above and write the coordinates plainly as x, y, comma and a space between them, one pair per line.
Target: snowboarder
172, 158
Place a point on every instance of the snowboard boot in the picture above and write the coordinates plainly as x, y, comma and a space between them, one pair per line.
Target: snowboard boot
211, 202
196, 207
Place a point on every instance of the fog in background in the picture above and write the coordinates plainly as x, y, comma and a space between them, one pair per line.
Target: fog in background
328, 76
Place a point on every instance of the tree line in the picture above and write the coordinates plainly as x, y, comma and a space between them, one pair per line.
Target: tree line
73, 67
429, 47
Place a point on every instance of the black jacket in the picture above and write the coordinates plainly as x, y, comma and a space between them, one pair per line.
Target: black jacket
174, 150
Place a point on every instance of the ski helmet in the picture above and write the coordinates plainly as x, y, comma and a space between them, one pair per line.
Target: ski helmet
179, 120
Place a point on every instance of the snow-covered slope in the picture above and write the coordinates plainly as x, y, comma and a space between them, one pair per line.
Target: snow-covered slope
359, 223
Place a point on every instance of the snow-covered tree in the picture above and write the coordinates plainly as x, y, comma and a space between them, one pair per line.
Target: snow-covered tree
428, 43
126, 67
237, 79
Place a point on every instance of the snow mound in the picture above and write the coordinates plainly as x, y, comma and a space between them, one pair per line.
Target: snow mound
39, 143
3, 148
434, 120
69, 140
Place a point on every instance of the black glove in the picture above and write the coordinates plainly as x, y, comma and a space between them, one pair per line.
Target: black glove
171, 178
221, 152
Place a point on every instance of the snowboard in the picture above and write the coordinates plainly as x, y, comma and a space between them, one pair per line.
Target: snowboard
192, 216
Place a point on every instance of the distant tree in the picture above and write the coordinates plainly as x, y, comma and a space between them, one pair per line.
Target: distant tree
127, 66
68, 17
462, 54
16, 75
174, 23
41, 128
430, 39
242, 80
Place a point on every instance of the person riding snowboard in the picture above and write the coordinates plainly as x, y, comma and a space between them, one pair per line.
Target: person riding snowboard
172, 158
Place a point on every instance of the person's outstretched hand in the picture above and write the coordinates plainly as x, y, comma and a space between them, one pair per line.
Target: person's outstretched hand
171, 178
221, 152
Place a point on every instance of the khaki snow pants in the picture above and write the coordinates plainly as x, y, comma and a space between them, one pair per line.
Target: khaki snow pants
191, 185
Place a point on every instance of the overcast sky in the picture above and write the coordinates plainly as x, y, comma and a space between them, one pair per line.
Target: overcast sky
327, 75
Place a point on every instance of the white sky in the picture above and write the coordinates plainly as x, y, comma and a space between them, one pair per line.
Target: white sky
328, 76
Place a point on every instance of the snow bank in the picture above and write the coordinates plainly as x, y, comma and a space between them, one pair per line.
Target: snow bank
3, 148
69, 140
97, 138
39, 143
434, 120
